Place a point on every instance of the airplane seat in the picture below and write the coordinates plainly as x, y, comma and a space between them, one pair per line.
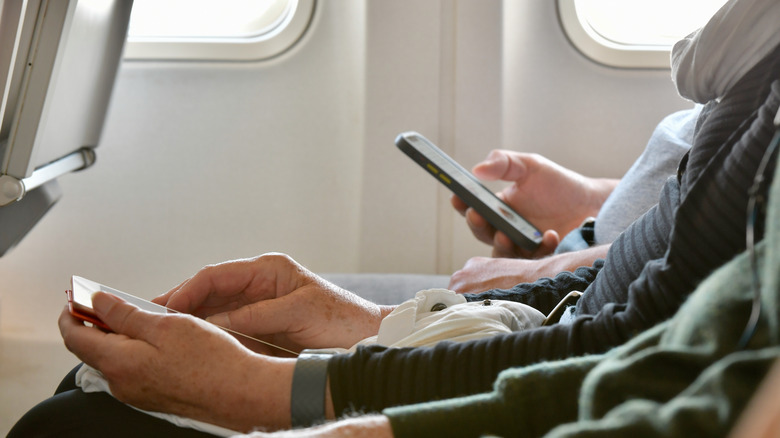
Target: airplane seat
385, 289
58, 63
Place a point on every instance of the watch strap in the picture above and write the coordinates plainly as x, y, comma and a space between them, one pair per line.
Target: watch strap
307, 398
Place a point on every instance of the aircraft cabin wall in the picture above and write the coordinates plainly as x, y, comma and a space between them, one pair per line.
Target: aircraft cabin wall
202, 162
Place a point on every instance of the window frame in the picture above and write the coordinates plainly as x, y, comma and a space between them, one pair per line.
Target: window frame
603, 51
252, 48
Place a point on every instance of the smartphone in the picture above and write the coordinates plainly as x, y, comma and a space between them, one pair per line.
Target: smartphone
80, 300
80, 306
468, 188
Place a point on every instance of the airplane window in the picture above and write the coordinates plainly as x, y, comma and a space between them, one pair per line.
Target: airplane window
237, 30
636, 33
647, 22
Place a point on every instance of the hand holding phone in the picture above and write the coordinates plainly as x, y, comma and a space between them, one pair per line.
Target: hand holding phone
463, 184
80, 300
80, 306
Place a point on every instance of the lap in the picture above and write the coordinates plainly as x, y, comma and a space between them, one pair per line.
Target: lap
72, 412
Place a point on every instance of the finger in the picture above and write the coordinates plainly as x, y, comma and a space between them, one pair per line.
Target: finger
547, 246
504, 247
499, 164
75, 334
229, 278
503, 165
260, 318
459, 205
461, 279
481, 229
164, 298
90, 345
493, 167
550, 241
122, 317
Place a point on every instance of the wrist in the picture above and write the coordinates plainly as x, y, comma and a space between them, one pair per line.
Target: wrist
599, 190
260, 397
385, 310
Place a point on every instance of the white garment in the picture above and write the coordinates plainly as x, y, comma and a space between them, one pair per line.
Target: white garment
415, 324
92, 380
708, 62
638, 190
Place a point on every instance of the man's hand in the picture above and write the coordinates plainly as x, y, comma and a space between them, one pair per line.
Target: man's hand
551, 197
181, 365
483, 273
275, 299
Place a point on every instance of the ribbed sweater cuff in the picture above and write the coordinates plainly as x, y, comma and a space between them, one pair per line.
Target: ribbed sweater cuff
460, 417
529, 400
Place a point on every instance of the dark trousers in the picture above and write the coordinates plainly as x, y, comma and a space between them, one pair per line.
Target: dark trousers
73, 413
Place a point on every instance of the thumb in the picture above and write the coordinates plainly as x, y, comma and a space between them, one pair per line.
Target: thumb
501, 164
121, 316
550, 241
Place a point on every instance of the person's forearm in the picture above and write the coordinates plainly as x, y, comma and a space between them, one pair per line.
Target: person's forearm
569, 261
483, 274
